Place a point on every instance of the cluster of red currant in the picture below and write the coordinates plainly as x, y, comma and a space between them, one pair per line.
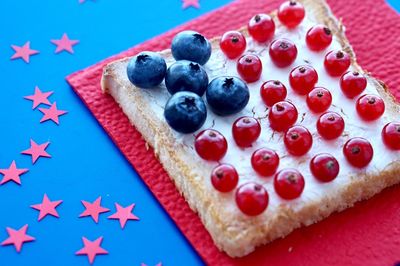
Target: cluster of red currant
252, 198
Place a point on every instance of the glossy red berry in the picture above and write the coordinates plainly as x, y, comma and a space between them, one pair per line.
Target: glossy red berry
282, 115
265, 161
210, 145
303, 79
391, 135
318, 38
249, 67
324, 167
224, 177
370, 107
273, 91
251, 198
319, 100
330, 125
245, 131
261, 28
336, 62
233, 44
358, 152
291, 13
289, 183
298, 140
283, 52
352, 83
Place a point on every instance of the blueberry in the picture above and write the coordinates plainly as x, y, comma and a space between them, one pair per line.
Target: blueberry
227, 95
146, 70
185, 112
186, 76
192, 46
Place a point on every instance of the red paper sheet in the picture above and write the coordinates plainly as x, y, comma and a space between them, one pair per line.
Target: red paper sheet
368, 234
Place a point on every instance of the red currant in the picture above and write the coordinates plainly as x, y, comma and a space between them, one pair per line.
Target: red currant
291, 13
283, 52
370, 107
391, 135
249, 67
298, 140
261, 27
233, 44
265, 161
318, 38
251, 198
352, 83
358, 152
210, 145
319, 100
282, 115
324, 167
245, 131
303, 79
224, 177
336, 63
330, 125
273, 91
289, 183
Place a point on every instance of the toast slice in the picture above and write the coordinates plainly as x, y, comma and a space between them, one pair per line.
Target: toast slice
231, 230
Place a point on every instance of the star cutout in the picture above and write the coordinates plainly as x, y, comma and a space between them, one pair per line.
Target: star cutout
51, 113
93, 209
190, 3
23, 52
123, 214
12, 174
92, 248
39, 97
47, 207
64, 44
37, 151
17, 237
144, 264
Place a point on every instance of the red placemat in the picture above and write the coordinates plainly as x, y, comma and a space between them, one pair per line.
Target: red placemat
368, 234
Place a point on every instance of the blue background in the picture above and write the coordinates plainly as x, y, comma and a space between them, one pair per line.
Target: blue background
85, 163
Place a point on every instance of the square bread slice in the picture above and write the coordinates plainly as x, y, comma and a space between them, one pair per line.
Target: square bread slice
231, 230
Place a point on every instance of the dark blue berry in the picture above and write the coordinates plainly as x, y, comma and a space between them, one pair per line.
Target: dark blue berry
146, 70
185, 112
192, 46
227, 95
186, 76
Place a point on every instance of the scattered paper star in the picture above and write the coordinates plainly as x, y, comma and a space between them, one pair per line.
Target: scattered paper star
51, 113
47, 207
12, 174
37, 151
82, 1
64, 44
17, 237
39, 97
144, 264
123, 214
190, 3
92, 248
93, 209
23, 52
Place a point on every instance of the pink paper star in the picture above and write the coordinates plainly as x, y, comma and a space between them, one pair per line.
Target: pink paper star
23, 52
39, 97
37, 151
189, 3
12, 174
64, 44
144, 264
92, 248
93, 209
47, 207
123, 214
51, 113
17, 237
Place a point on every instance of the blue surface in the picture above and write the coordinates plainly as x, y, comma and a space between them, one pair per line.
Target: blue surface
85, 163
